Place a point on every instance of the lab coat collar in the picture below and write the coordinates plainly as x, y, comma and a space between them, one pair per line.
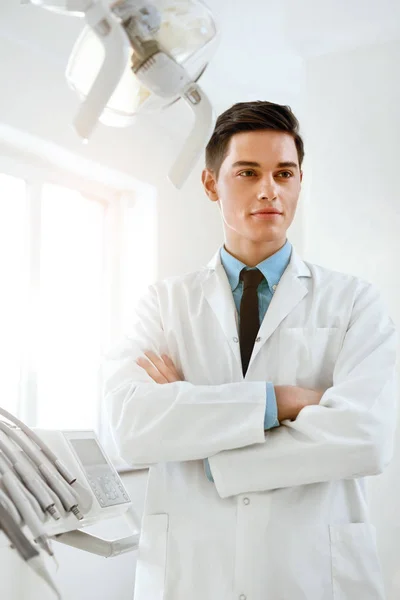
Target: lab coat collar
297, 266
289, 292
272, 267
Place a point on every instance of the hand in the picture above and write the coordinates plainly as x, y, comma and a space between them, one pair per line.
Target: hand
161, 370
291, 399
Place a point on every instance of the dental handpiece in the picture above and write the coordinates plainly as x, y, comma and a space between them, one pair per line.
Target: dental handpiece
64, 491
7, 466
25, 548
61, 468
28, 476
37, 487
21, 501
8, 504
16, 536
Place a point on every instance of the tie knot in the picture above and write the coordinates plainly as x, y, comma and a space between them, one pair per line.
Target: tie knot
251, 278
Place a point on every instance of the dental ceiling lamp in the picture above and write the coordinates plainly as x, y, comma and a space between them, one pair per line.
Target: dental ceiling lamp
141, 56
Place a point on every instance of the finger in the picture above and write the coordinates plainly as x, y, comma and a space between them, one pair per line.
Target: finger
161, 366
170, 364
151, 370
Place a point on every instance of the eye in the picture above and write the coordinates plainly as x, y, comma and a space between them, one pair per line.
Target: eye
288, 172
242, 173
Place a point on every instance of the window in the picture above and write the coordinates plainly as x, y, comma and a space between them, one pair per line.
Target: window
71, 268
69, 331
13, 290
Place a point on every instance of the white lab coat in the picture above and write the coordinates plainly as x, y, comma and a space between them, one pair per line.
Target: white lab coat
287, 516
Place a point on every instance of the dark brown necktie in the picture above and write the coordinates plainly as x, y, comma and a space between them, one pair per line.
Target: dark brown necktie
249, 317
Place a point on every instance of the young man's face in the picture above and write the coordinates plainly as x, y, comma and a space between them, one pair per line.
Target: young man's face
250, 180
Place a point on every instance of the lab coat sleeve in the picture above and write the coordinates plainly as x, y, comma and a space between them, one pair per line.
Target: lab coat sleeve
178, 421
270, 420
349, 434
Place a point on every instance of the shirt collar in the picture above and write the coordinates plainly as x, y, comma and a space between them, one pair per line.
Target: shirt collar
272, 267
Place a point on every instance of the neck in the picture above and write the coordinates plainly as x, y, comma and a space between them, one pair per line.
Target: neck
252, 254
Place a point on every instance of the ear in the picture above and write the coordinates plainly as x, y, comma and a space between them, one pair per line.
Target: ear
301, 176
210, 184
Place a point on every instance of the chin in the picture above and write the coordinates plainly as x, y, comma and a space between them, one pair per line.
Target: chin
264, 239
270, 234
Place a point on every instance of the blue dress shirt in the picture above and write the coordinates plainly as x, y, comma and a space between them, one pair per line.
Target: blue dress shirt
272, 268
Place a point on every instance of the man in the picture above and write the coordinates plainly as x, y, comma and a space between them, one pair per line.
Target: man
261, 390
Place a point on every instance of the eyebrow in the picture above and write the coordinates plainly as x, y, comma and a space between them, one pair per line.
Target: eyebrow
249, 163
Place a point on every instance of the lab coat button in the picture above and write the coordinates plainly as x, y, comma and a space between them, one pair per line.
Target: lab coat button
274, 287
246, 501
242, 597
235, 339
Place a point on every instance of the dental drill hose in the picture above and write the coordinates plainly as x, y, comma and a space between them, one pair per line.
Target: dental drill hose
25, 549
20, 500
62, 469
64, 491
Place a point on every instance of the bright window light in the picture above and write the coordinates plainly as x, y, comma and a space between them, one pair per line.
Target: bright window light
72, 267
139, 240
13, 291
71, 309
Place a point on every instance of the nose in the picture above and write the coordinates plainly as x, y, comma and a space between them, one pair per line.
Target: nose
267, 190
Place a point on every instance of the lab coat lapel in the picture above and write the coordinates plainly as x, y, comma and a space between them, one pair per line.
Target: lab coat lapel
289, 292
219, 295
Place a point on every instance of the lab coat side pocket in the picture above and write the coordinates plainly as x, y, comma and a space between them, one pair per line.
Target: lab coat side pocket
356, 570
152, 558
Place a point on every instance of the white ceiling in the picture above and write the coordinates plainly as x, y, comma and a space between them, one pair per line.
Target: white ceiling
261, 53
259, 38
250, 28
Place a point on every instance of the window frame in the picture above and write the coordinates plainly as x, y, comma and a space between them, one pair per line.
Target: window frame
38, 170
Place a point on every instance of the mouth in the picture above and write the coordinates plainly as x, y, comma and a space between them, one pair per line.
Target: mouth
264, 214
267, 212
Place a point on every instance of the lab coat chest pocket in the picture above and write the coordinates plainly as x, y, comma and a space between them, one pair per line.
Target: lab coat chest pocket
152, 558
356, 571
308, 355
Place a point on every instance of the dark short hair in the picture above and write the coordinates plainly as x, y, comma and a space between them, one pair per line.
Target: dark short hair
250, 116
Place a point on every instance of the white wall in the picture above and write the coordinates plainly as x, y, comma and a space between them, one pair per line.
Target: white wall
348, 216
353, 222
348, 213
